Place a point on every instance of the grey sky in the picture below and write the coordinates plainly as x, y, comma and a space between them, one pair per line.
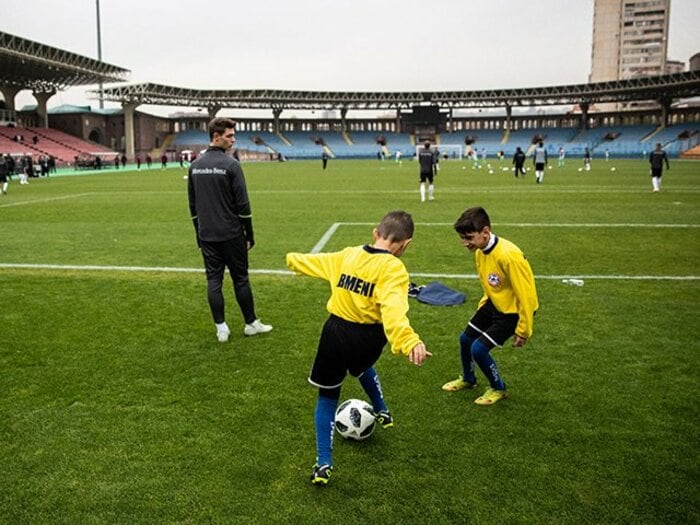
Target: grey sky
339, 45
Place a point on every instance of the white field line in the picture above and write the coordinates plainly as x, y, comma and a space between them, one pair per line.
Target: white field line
547, 224
334, 227
47, 199
170, 269
472, 191
326, 237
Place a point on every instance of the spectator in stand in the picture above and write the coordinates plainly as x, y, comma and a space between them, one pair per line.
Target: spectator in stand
123, 160
35, 139
163, 161
149, 160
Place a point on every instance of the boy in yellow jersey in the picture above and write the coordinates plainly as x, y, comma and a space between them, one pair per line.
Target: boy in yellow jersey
368, 306
506, 309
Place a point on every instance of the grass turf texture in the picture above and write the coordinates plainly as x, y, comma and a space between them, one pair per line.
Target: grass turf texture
118, 405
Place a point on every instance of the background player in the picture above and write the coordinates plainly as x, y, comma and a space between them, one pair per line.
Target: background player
657, 159
540, 160
428, 168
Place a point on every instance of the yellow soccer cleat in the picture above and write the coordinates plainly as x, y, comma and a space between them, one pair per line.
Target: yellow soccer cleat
491, 396
458, 384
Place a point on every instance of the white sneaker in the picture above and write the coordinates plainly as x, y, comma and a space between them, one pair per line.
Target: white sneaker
222, 335
256, 327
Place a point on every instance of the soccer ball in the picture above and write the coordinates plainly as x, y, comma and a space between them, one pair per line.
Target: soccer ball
354, 419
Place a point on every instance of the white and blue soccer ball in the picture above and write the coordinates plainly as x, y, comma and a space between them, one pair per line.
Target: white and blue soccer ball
354, 419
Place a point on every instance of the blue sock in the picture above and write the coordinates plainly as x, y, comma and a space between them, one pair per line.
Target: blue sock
468, 366
488, 366
373, 388
324, 417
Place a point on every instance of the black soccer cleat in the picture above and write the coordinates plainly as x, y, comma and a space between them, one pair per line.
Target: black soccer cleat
321, 475
384, 418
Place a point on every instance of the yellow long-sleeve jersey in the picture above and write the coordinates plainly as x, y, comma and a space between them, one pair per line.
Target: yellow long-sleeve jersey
368, 286
507, 279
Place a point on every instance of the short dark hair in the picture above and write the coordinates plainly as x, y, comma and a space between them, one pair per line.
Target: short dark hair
472, 220
219, 125
396, 226
426, 144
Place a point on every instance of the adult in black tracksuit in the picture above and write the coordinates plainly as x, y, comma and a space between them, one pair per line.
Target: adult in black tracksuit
427, 159
222, 219
519, 161
656, 160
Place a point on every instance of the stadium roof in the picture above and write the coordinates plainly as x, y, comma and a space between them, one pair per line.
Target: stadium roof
31, 65
665, 87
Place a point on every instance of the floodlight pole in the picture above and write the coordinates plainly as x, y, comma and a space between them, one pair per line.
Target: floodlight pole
99, 52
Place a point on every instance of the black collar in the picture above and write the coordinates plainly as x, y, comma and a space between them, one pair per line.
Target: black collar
495, 243
372, 249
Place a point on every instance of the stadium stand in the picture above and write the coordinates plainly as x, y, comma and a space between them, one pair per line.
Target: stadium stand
273, 141
62, 146
553, 140
192, 137
335, 142
365, 143
620, 141
303, 145
484, 139
675, 139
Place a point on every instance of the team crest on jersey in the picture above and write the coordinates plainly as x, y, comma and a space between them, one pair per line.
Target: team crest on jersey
494, 279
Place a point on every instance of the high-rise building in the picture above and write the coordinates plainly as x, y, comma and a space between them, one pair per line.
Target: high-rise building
630, 39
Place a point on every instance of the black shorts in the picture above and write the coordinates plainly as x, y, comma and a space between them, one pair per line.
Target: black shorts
3, 177
491, 327
426, 176
345, 347
539, 166
656, 172
231, 254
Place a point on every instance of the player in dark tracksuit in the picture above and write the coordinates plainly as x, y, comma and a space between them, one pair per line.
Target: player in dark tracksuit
4, 172
428, 166
519, 162
657, 159
221, 214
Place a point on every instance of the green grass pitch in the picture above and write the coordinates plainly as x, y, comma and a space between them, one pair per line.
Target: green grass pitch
118, 405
